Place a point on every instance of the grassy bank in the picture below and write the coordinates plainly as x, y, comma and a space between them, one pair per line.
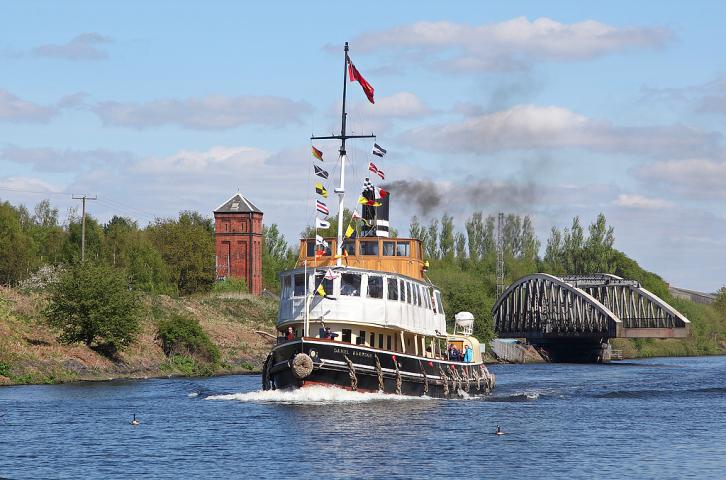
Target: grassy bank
31, 353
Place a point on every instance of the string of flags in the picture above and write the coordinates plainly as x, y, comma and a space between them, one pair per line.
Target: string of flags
321, 207
378, 150
320, 172
318, 154
321, 190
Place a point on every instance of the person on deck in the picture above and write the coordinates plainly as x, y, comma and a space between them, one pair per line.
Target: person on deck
290, 335
468, 354
453, 353
328, 334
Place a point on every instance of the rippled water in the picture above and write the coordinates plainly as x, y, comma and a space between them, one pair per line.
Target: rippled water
663, 418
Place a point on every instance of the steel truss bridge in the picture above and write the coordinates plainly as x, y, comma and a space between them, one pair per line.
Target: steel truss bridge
575, 313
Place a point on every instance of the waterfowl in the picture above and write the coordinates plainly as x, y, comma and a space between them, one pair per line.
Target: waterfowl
135, 422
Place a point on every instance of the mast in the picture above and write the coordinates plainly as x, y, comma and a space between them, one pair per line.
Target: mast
343, 157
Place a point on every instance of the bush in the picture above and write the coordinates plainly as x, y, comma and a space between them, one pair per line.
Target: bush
230, 285
183, 336
94, 304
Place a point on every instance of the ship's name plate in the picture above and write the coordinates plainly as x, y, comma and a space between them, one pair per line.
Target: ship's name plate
356, 353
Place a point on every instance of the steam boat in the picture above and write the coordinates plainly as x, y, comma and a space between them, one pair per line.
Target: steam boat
358, 312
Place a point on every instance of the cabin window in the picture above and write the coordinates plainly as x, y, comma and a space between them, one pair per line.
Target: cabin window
388, 342
361, 340
389, 249
350, 284
416, 300
380, 340
403, 249
372, 339
325, 282
287, 286
439, 307
427, 296
299, 285
375, 286
392, 288
369, 248
312, 248
408, 293
346, 335
349, 246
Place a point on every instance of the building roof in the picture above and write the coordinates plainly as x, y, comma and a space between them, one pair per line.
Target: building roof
237, 204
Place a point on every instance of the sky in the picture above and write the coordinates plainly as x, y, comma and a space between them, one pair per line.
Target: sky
547, 109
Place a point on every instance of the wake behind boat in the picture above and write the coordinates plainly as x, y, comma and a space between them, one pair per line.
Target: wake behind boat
358, 312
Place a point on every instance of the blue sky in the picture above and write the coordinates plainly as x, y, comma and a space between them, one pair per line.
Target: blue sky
552, 109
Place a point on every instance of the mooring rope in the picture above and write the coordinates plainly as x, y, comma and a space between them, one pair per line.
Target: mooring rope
445, 381
465, 379
477, 377
426, 379
351, 374
379, 372
398, 379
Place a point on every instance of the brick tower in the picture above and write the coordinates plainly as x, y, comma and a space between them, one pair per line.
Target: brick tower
238, 237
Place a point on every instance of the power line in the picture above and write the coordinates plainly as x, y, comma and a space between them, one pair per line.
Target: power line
83, 198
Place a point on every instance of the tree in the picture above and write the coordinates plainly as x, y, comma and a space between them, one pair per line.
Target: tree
475, 233
446, 239
554, 253
187, 247
460, 242
277, 256
598, 249
17, 249
530, 243
92, 303
431, 247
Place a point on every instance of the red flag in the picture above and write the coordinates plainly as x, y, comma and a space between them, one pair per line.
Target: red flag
355, 76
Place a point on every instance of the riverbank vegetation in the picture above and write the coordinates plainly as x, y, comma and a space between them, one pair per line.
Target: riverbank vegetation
145, 302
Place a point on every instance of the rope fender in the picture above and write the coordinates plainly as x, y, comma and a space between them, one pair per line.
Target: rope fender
351, 374
302, 365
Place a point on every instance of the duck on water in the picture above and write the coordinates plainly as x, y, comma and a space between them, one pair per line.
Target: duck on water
358, 312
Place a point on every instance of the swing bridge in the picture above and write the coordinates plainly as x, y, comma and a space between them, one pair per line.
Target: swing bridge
572, 317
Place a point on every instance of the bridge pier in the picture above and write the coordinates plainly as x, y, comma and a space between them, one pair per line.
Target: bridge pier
573, 350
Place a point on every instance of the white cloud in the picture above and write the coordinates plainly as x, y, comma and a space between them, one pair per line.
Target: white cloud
700, 177
83, 47
508, 45
63, 160
205, 113
639, 201
28, 184
15, 109
220, 160
526, 127
399, 105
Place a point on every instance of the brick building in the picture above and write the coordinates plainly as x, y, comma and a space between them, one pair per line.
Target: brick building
238, 238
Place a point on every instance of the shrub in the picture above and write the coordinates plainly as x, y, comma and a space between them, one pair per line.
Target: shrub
94, 304
183, 336
230, 285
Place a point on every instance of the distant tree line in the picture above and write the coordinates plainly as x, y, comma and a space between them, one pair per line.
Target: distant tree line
174, 256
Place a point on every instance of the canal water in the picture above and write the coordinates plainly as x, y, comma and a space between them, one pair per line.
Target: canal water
659, 418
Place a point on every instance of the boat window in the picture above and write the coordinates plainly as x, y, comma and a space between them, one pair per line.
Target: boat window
372, 340
439, 307
327, 283
388, 342
349, 246
416, 299
427, 293
361, 340
350, 284
287, 286
389, 249
408, 293
311, 249
346, 335
403, 249
369, 248
299, 285
380, 340
392, 288
375, 286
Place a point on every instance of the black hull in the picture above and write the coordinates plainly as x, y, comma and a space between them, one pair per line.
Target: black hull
354, 367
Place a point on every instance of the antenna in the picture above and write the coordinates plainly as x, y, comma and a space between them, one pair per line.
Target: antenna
500, 255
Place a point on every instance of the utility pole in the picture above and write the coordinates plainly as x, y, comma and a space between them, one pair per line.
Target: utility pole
83, 199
